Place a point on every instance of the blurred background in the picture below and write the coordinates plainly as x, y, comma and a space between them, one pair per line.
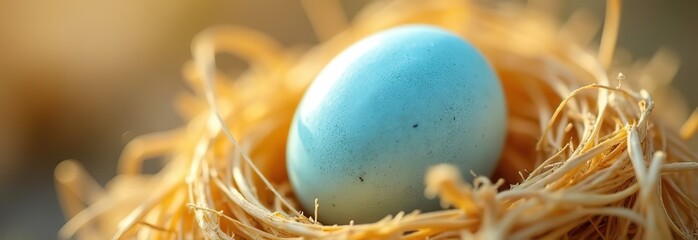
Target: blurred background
79, 79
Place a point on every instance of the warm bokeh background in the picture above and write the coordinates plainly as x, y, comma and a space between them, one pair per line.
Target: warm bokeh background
79, 78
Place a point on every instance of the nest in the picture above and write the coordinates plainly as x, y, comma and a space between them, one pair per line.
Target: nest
584, 158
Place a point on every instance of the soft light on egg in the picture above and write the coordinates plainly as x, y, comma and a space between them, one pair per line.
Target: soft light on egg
382, 112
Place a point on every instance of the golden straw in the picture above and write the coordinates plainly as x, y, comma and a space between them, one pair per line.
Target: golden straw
586, 154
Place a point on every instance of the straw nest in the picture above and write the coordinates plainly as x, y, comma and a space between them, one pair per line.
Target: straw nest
585, 155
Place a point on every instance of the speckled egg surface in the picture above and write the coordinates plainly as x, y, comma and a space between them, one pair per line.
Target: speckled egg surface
382, 112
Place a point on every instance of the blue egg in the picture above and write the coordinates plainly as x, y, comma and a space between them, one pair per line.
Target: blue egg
382, 112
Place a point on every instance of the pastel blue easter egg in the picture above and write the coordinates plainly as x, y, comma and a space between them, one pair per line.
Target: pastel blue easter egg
382, 112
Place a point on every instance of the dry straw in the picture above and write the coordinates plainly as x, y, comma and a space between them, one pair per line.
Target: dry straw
585, 155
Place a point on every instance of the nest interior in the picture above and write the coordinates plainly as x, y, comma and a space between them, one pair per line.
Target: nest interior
588, 154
